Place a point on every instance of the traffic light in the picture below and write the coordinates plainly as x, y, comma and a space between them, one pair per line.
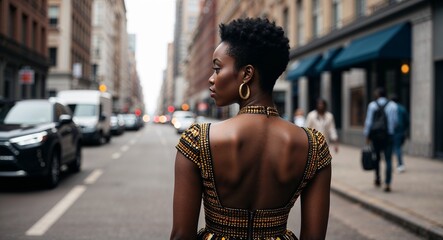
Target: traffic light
138, 112
171, 109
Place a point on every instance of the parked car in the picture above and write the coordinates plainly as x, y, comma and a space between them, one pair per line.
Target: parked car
37, 137
132, 122
117, 124
182, 120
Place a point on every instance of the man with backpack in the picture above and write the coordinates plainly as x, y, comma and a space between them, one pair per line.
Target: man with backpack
381, 118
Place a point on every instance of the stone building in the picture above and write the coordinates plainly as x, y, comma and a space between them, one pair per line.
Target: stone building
347, 49
109, 51
341, 50
69, 45
23, 52
199, 61
186, 15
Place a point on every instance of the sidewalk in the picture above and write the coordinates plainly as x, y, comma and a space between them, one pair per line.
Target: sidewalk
416, 199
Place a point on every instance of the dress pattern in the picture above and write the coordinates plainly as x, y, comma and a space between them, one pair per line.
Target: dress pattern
238, 224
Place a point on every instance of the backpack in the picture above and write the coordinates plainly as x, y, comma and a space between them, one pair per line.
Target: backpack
379, 128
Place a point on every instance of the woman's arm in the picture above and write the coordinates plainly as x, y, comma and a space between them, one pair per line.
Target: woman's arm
315, 206
187, 198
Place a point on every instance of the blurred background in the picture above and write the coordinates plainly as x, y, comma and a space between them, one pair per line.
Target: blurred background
152, 59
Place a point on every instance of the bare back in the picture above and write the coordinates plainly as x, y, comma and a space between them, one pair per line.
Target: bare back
258, 161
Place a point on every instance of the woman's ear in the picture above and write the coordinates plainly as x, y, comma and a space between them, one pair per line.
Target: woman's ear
248, 73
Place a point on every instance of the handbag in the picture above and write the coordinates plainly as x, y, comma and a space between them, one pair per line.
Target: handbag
368, 158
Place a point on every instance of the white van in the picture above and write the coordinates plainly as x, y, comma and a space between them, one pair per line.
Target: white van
92, 111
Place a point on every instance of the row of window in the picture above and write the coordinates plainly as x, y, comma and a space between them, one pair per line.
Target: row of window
24, 29
83, 7
318, 12
81, 32
317, 17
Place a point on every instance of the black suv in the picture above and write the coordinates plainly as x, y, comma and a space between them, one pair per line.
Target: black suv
37, 137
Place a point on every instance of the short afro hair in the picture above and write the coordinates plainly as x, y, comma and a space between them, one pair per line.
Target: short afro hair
260, 43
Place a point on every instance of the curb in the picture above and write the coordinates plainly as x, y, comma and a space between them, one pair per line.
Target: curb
404, 217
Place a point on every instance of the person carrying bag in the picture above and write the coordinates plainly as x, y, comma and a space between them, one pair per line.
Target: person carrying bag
368, 158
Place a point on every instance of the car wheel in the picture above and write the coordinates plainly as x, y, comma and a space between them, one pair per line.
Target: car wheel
53, 176
75, 165
108, 138
101, 139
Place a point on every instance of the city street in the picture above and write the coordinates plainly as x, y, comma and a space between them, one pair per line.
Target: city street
124, 191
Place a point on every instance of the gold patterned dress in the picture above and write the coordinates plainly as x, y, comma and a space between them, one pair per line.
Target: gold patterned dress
238, 224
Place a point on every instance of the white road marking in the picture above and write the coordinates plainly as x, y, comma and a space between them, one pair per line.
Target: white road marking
42, 225
132, 142
162, 138
92, 178
116, 155
124, 148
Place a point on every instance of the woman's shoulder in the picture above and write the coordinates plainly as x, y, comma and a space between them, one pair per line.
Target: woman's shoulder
319, 149
189, 143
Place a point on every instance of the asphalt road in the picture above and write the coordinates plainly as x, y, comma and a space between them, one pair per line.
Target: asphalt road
124, 191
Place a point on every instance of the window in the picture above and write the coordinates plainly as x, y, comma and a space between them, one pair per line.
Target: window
94, 72
316, 18
357, 107
360, 7
286, 21
8, 85
300, 23
53, 56
336, 14
43, 40
34, 35
193, 6
99, 10
36, 85
192, 21
12, 22
24, 29
53, 14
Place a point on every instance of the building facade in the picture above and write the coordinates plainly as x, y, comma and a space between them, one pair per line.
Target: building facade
110, 52
135, 88
186, 16
23, 52
69, 45
345, 54
121, 85
341, 50
103, 45
199, 62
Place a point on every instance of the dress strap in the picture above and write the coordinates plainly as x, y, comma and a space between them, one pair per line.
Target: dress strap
309, 168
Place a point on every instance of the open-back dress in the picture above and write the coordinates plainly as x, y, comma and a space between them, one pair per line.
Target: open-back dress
238, 224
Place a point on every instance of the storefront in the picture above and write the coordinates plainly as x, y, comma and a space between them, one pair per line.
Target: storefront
391, 49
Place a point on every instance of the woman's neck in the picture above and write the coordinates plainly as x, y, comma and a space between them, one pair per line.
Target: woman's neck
258, 100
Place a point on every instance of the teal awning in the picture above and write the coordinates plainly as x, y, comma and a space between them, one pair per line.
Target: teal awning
325, 63
391, 43
304, 68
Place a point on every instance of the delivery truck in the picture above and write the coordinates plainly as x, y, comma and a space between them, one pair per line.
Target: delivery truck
92, 111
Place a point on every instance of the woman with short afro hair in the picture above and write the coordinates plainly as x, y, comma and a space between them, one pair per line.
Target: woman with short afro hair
250, 169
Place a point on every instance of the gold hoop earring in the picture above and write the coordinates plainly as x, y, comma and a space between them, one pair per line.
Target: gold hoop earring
240, 91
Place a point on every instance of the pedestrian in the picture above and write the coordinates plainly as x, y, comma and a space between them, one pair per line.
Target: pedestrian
299, 117
251, 168
400, 132
324, 122
381, 117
